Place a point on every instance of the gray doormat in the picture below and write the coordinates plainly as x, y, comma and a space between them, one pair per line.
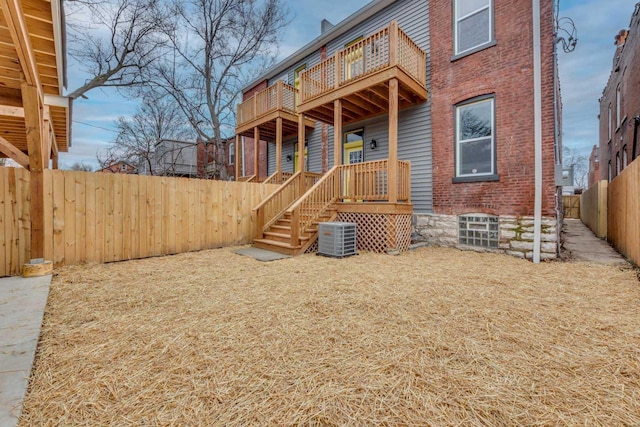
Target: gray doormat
261, 254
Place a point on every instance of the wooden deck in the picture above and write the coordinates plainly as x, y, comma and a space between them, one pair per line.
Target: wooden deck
287, 221
264, 107
359, 76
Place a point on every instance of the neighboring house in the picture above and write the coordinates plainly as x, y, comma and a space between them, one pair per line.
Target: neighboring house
172, 158
620, 103
432, 107
120, 167
224, 167
594, 166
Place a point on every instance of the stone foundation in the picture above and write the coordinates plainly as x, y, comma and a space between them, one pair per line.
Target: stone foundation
515, 238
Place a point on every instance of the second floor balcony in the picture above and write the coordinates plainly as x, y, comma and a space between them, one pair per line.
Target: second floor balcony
359, 75
263, 108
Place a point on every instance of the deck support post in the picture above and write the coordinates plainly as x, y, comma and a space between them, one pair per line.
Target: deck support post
279, 146
337, 132
392, 172
237, 164
301, 137
256, 149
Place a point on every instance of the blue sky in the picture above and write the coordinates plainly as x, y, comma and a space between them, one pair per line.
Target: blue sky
583, 73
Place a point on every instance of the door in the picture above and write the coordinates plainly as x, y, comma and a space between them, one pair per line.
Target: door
352, 153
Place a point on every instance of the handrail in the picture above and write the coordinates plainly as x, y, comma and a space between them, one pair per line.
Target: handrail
248, 178
271, 208
272, 179
279, 96
366, 181
309, 207
386, 48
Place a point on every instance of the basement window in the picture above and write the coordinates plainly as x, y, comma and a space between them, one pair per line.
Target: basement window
478, 230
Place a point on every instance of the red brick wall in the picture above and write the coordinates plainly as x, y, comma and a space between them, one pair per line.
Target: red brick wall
505, 70
624, 72
206, 155
249, 144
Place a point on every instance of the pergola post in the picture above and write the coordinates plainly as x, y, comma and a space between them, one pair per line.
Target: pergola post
337, 132
34, 126
392, 171
256, 149
279, 148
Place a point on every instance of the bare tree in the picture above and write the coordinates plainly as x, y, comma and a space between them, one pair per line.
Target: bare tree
580, 163
114, 40
157, 119
80, 166
212, 44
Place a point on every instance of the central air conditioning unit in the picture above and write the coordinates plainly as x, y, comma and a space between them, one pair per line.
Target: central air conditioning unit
337, 239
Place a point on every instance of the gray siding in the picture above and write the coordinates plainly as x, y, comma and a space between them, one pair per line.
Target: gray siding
414, 126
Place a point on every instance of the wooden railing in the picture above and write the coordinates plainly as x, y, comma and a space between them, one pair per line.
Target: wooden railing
279, 96
358, 182
310, 178
389, 47
282, 177
271, 208
248, 178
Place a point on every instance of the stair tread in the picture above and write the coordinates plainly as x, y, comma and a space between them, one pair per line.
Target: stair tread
276, 234
276, 243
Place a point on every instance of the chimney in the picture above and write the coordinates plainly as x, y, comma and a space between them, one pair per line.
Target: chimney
325, 26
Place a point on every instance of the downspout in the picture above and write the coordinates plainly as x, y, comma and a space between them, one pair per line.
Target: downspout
537, 105
557, 140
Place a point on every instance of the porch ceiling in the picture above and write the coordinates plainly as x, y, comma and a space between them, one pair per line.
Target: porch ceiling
365, 98
267, 126
42, 47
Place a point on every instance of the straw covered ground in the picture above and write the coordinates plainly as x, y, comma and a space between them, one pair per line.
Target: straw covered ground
431, 337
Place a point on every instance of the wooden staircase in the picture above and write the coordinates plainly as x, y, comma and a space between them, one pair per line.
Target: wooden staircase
277, 237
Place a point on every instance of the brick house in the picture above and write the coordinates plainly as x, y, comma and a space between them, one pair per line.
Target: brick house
594, 166
120, 167
620, 103
432, 105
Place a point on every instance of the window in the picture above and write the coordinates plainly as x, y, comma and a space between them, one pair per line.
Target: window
124, 167
618, 164
478, 230
475, 141
232, 153
625, 159
473, 25
353, 147
618, 106
609, 172
610, 122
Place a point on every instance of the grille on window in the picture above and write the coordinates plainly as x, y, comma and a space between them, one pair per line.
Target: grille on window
478, 230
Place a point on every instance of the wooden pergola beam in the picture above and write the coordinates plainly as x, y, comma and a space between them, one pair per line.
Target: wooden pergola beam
10, 150
9, 111
16, 23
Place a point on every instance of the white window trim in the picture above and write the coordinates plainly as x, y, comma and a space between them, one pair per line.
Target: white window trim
457, 19
232, 153
458, 141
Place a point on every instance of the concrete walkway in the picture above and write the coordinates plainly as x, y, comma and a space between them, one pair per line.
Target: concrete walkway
583, 245
22, 303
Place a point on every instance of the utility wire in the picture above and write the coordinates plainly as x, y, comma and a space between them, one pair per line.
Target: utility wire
94, 126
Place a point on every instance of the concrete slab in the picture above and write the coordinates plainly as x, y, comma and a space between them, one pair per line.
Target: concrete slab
261, 254
22, 304
583, 245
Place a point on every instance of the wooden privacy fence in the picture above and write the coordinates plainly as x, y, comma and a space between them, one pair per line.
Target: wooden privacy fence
94, 217
593, 208
571, 206
623, 212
